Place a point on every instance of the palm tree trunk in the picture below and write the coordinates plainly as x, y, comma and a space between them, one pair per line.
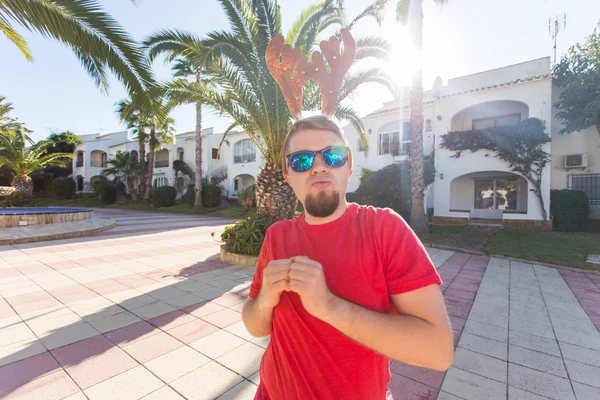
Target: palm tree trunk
22, 184
274, 197
198, 175
131, 188
142, 160
418, 218
150, 168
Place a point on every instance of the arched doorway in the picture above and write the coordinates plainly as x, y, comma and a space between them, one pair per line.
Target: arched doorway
242, 181
489, 194
79, 181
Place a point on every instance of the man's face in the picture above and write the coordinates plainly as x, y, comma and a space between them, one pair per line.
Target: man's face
320, 189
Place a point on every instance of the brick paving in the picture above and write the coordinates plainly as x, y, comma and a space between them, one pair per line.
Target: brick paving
147, 310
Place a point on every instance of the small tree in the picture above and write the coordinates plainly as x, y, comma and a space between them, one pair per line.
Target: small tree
123, 165
519, 145
578, 75
21, 160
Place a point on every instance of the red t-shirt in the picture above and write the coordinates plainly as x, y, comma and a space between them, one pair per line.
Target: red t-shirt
367, 255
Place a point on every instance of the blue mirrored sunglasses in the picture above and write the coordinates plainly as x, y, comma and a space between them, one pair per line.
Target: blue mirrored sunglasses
333, 157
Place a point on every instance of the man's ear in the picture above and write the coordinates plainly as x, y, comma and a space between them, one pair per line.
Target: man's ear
287, 178
350, 173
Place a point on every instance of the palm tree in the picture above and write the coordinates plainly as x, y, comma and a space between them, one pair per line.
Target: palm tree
152, 125
247, 93
98, 41
123, 165
410, 12
21, 160
8, 125
186, 52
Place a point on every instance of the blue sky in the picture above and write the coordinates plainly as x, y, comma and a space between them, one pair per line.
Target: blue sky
464, 37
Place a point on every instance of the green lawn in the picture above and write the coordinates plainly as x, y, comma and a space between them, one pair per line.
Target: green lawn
439, 233
561, 248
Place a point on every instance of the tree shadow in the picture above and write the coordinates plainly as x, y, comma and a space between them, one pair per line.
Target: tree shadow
206, 280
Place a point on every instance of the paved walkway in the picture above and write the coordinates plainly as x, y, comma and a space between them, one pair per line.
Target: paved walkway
147, 310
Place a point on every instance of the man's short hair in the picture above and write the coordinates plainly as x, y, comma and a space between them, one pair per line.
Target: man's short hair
315, 122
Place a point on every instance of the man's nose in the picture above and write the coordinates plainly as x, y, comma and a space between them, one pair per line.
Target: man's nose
318, 165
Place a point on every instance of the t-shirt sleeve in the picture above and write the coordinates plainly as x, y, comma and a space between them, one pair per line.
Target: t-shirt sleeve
264, 258
408, 266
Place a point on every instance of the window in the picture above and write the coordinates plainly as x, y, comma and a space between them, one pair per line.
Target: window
215, 154
395, 143
235, 185
179, 184
588, 183
79, 159
496, 193
244, 151
134, 156
501, 120
181, 156
160, 182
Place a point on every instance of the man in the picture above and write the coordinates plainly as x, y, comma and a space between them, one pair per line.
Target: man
342, 288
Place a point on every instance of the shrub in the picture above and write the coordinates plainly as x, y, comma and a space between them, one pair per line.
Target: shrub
190, 195
164, 196
211, 195
247, 197
387, 187
97, 185
64, 187
16, 199
247, 235
108, 192
570, 209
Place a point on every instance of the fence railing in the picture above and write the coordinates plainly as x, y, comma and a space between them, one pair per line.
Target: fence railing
99, 164
244, 159
161, 164
79, 163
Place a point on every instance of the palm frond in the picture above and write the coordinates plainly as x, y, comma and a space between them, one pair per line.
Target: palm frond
173, 43
373, 75
402, 9
86, 28
373, 47
349, 114
16, 38
373, 10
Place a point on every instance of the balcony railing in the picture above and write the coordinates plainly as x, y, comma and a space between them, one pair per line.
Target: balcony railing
79, 163
161, 164
246, 158
99, 164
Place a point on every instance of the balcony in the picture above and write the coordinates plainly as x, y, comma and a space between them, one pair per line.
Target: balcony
245, 158
99, 164
161, 164
79, 164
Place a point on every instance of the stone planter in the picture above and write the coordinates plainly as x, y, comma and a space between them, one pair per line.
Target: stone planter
237, 259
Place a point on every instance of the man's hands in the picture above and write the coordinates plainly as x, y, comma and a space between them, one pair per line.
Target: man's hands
302, 276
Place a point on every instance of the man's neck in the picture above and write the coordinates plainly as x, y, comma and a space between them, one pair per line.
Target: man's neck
310, 220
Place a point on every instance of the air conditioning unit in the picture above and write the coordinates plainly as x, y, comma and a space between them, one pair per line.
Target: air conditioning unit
576, 161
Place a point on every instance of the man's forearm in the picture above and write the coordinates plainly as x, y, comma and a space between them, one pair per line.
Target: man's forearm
404, 338
258, 320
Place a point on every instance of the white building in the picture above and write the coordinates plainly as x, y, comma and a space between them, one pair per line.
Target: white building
476, 185
480, 185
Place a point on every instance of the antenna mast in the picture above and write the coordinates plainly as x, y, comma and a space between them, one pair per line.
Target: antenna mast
554, 29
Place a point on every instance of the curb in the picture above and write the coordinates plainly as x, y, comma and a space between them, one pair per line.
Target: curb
479, 253
57, 236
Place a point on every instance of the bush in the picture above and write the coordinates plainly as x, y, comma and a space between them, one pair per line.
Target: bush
570, 209
211, 195
387, 187
97, 185
164, 196
64, 187
247, 235
16, 199
190, 195
108, 192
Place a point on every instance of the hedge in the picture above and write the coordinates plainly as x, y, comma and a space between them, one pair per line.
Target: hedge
164, 196
570, 209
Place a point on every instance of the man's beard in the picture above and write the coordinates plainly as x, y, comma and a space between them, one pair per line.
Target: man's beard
322, 205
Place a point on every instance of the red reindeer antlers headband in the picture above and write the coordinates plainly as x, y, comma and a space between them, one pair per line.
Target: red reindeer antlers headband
292, 70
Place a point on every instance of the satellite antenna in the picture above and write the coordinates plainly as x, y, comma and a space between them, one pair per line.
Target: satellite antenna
554, 29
